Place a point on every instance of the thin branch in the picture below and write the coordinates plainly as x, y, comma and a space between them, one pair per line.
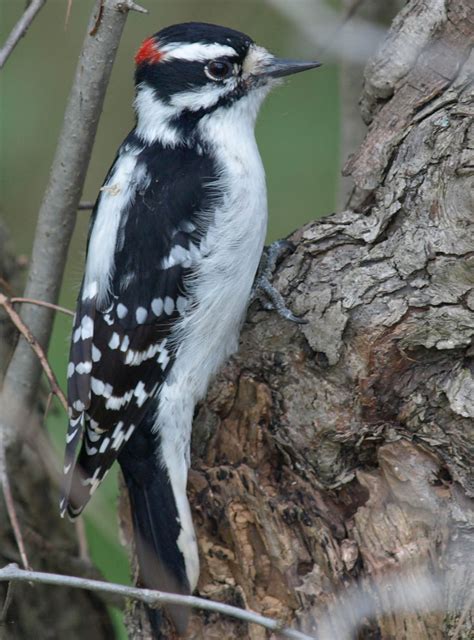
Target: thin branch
34, 344
6, 286
20, 29
129, 5
40, 303
85, 205
82, 540
10, 505
150, 597
7, 602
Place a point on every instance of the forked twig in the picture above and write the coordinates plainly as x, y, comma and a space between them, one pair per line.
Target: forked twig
10, 505
41, 303
26, 333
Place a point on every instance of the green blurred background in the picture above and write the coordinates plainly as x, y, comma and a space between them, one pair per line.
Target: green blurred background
298, 135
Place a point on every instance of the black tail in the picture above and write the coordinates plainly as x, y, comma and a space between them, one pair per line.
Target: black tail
156, 522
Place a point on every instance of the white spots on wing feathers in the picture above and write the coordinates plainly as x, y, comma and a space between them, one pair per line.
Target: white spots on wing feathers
96, 354
163, 359
91, 451
177, 255
117, 402
168, 305
186, 225
70, 369
104, 445
84, 367
78, 405
140, 394
181, 304
71, 434
93, 435
87, 327
114, 341
97, 386
93, 481
141, 315
135, 358
85, 330
157, 306
121, 310
119, 435
125, 343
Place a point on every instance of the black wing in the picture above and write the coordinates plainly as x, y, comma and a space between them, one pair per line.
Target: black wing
120, 348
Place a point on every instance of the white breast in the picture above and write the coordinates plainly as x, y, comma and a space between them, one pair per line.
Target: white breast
209, 333
234, 242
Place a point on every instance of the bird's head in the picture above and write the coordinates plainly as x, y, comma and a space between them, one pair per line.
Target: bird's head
190, 71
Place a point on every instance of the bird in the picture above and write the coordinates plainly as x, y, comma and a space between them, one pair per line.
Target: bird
175, 240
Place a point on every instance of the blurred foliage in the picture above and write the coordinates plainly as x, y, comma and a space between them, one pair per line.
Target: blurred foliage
297, 133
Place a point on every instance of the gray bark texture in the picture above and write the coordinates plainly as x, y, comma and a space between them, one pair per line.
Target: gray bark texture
37, 611
331, 479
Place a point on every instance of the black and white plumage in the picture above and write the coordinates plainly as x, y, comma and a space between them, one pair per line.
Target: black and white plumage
175, 240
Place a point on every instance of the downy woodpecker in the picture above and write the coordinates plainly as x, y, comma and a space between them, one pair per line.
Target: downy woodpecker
175, 240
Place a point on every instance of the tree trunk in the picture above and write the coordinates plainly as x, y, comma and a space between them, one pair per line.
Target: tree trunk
331, 483
40, 612
351, 77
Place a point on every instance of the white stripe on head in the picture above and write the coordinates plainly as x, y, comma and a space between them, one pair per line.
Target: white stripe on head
196, 51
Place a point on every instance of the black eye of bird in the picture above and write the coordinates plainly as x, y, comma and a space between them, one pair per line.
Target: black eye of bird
219, 69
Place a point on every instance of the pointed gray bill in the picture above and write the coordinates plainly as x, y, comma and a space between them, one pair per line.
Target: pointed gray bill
279, 67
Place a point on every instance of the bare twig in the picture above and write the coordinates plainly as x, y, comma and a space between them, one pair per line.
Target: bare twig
10, 505
7, 602
6, 286
85, 205
48, 305
57, 214
129, 5
26, 333
20, 29
152, 598
82, 540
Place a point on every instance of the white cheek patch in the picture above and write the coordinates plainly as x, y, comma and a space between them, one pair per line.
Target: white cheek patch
154, 118
196, 51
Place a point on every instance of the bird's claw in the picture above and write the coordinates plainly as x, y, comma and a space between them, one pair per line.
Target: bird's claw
269, 297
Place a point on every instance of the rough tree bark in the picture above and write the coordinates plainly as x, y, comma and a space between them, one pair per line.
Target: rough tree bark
40, 612
338, 453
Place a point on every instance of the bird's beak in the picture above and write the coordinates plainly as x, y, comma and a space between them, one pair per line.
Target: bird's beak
279, 67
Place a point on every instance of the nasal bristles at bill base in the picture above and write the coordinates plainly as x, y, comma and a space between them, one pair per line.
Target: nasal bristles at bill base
148, 52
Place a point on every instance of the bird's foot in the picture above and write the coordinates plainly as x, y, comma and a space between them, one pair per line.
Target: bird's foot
269, 297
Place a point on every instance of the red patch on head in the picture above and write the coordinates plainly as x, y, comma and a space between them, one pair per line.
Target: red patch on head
148, 52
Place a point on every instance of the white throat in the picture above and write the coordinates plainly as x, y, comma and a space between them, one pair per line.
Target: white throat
156, 121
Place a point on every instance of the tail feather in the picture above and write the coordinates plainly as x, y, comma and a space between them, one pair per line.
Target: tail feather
157, 522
